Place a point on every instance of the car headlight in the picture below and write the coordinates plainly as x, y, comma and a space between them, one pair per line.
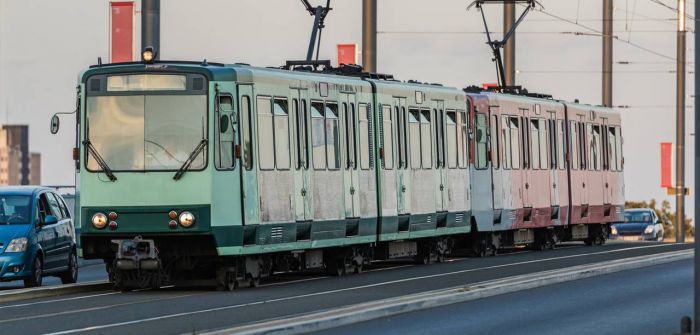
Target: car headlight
99, 220
186, 219
613, 230
649, 229
17, 245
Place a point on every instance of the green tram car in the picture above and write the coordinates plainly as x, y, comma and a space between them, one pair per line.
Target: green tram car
193, 172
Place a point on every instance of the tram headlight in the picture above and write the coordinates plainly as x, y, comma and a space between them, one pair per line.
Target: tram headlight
99, 220
148, 54
186, 219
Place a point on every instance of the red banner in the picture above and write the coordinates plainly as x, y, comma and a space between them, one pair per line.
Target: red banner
122, 31
347, 54
666, 165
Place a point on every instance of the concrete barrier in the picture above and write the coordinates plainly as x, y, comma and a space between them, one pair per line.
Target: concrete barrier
382, 308
52, 291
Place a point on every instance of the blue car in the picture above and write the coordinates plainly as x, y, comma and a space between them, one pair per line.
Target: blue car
37, 236
640, 224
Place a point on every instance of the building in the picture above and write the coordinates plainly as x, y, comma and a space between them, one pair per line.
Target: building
17, 165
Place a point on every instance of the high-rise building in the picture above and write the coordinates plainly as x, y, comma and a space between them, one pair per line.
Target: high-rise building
17, 165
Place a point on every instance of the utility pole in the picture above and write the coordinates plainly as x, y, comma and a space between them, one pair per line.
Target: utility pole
369, 35
150, 26
696, 315
509, 49
607, 52
680, 125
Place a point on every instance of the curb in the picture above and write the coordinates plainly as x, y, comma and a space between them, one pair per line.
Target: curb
52, 291
341, 316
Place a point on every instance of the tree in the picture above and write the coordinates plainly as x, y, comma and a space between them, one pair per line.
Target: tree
665, 214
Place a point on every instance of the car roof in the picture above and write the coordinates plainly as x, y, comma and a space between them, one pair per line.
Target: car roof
22, 190
639, 210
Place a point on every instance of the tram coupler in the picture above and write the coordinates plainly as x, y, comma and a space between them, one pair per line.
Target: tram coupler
136, 254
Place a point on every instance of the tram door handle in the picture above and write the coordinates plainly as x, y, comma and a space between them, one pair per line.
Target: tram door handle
303, 192
442, 187
352, 190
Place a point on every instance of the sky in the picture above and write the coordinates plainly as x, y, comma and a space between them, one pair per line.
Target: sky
45, 44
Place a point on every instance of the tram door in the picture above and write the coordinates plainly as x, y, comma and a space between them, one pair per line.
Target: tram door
249, 177
351, 178
441, 175
302, 178
403, 180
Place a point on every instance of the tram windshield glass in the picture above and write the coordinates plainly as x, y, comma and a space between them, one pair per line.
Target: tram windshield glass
146, 131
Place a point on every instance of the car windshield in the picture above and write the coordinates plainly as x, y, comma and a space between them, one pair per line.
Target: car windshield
638, 217
15, 209
145, 129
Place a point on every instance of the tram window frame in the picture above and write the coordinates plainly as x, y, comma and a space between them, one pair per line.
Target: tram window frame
553, 143
573, 146
439, 116
534, 147
452, 133
595, 147
230, 132
505, 135
400, 140
333, 123
495, 142
481, 160
246, 133
318, 157
426, 129
388, 157
302, 133
544, 134
515, 129
612, 150
463, 139
265, 156
365, 120
619, 140
414, 135
283, 159
561, 155
350, 136
525, 138
404, 126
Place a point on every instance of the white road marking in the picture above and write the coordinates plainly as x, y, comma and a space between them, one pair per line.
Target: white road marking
58, 300
217, 309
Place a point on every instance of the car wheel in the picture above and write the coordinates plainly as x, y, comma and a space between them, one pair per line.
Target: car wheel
71, 275
37, 275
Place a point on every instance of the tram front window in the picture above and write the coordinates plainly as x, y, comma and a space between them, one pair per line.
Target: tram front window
146, 132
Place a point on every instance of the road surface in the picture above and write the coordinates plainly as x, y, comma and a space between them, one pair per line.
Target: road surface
179, 310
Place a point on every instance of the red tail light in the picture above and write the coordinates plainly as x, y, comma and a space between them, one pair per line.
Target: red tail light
112, 216
113, 225
172, 224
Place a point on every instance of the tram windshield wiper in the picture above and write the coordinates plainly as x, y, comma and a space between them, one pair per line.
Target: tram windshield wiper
186, 165
100, 161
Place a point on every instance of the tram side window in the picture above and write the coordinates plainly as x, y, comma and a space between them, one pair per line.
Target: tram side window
553, 143
365, 137
350, 136
440, 137
544, 159
387, 138
595, 155
573, 145
225, 133
414, 136
535, 143
332, 136
612, 153
246, 133
281, 118
400, 138
505, 135
560, 148
463, 139
582, 146
426, 146
495, 143
318, 136
618, 149
266, 146
514, 130
451, 136
301, 134
481, 141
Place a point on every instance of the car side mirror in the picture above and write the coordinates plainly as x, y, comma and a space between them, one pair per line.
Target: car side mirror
50, 219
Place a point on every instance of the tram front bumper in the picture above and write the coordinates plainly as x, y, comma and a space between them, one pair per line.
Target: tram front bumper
136, 254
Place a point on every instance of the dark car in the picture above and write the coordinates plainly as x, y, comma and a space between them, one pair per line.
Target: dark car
37, 236
640, 224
